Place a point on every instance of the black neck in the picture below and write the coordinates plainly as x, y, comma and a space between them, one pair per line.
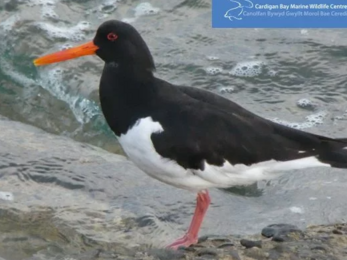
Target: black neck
126, 94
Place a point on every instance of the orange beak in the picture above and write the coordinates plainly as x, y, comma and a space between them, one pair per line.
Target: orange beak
88, 48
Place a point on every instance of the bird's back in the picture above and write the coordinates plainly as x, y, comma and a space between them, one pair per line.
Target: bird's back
202, 126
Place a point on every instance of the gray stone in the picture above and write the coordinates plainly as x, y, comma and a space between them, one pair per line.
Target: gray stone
280, 232
250, 243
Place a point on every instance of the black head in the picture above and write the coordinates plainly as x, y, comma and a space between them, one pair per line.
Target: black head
114, 42
121, 43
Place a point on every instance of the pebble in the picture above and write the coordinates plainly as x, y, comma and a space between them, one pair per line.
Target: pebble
213, 238
320, 248
234, 255
280, 232
164, 254
250, 243
207, 251
224, 245
337, 232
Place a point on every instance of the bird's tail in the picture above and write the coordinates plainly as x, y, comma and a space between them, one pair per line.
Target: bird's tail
336, 158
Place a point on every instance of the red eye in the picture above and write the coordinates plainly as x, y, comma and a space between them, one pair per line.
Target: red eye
112, 37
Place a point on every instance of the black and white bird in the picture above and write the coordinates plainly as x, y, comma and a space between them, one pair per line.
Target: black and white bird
188, 137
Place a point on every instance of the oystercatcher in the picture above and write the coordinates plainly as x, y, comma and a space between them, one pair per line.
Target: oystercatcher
188, 137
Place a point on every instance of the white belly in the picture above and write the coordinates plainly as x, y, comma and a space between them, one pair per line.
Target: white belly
138, 146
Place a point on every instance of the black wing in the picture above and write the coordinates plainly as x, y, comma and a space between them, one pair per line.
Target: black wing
202, 126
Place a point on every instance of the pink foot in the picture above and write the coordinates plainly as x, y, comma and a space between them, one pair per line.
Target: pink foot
184, 241
191, 237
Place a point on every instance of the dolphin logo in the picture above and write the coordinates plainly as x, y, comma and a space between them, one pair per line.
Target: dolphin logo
236, 12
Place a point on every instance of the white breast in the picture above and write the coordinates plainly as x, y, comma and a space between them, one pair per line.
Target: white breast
138, 146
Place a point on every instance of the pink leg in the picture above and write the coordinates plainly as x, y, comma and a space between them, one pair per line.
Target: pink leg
191, 237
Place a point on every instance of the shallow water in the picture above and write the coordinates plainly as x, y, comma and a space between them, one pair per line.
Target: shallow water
295, 77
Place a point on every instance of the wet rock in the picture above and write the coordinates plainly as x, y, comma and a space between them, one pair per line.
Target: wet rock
249, 243
202, 239
224, 245
207, 252
220, 239
164, 254
234, 255
214, 238
256, 253
192, 248
337, 232
320, 248
281, 232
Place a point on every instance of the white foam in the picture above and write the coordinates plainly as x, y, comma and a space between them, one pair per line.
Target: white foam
213, 70
83, 109
129, 20
47, 7
6, 195
48, 12
317, 118
247, 69
212, 57
108, 6
145, 9
74, 33
311, 120
32, 3
51, 80
341, 117
66, 46
142, 9
8, 24
226, 90
296, 210
272, 73
305, 103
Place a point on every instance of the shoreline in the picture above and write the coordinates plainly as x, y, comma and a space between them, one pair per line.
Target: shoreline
286, 243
